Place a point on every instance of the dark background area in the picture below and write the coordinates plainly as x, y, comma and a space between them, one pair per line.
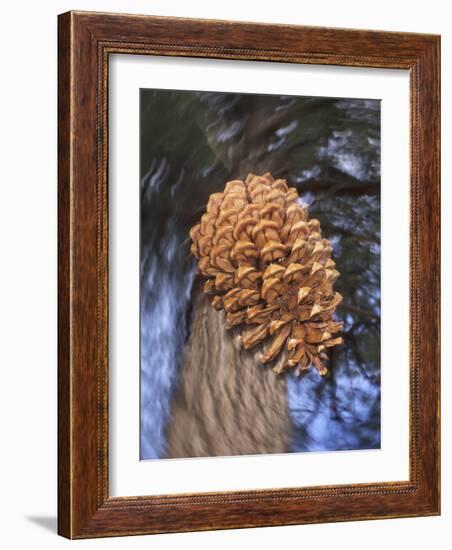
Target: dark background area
329, 149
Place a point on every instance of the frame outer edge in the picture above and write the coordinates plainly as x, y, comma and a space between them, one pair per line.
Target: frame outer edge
438, 176
64, 277
432, 175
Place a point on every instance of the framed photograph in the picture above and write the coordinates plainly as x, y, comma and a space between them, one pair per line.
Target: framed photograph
248, 275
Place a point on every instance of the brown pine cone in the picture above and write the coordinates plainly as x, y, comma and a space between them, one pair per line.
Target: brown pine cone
268, 267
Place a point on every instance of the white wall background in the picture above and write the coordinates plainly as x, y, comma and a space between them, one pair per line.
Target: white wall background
28, 269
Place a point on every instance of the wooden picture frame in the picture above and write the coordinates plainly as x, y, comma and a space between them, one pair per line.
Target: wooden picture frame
85, 42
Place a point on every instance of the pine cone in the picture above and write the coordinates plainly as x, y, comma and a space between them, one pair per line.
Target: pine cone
268, 267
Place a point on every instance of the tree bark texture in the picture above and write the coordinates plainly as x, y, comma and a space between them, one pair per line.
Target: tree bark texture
226, 402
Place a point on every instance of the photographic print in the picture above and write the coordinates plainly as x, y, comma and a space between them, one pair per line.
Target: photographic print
259, 274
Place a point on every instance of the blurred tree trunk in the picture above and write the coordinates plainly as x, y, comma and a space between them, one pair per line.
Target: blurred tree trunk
226, 402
